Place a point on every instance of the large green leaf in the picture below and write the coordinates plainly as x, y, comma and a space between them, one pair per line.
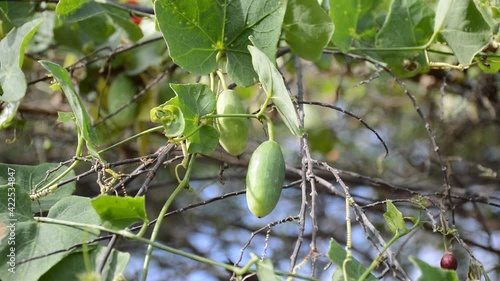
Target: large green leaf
198, 31
409, 24
35, 239
120, 212
27, 177
274, 86
308, 28
82, 118
463, 27
354, 269
12, 47
345, 15
70, 268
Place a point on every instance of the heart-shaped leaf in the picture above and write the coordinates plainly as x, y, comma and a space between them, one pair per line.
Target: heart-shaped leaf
198, 31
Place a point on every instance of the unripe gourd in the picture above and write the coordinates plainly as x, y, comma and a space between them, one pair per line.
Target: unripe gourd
265, 177
233, 131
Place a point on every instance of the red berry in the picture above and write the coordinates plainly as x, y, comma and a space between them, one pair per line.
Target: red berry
448, 261
135, 19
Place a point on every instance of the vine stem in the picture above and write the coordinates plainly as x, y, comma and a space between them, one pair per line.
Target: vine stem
148, 131
348, 256
184, 183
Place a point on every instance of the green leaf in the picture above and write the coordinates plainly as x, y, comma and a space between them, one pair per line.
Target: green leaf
8, 113
464, 28
83, 122
34, 239
265, 270
121, 18
433, 273
195, 101
12, 47
15, 14
71, 10
408, 24
70, 268
354, 269
27, 178
85, 35
345, 15
394, 219
120, 212
14, 194
197, 31
273, 85
204, 140
308, 28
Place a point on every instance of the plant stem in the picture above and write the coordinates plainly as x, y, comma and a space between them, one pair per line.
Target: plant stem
222, 79
131, 138
242, 115
129, 235
183, 184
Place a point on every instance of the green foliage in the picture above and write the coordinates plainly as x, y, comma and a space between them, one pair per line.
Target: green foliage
214, 29
464, 28
236, 40
121, 91
120, 212
70, 268
394, 219
12, 48
28, 177
433, 273
337, 254
82, 119
275, 88
74, 11
265, 270
345, 15
35, 239
307, 28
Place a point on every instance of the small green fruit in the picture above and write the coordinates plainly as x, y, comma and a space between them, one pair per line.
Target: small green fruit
265, 177
233, 131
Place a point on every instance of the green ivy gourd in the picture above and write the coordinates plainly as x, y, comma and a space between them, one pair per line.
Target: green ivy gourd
265, 177
233, 131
